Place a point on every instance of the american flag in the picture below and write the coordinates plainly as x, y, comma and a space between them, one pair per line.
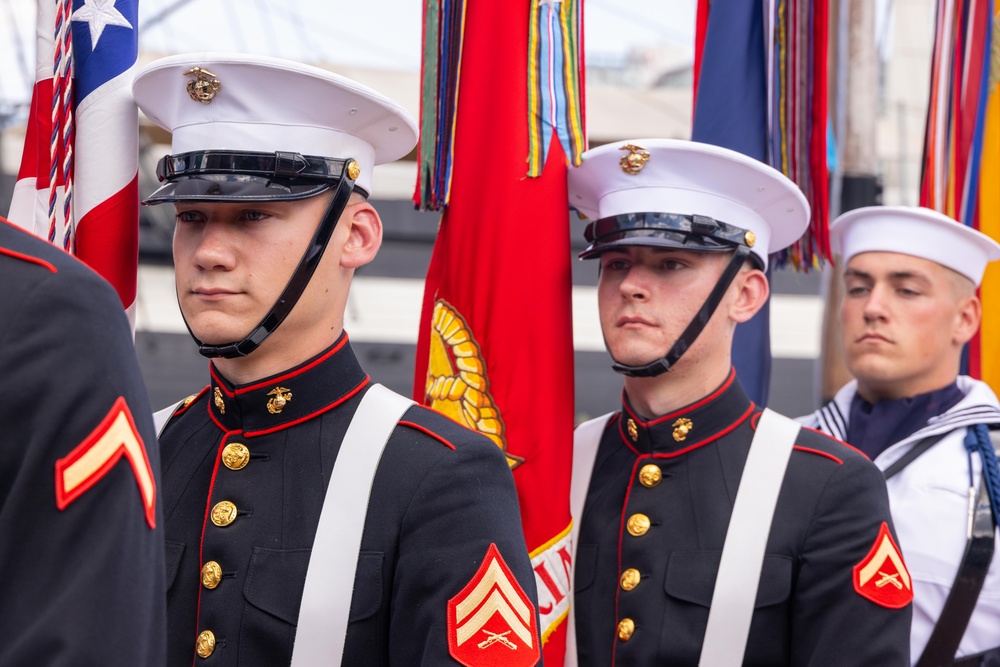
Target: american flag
100, 135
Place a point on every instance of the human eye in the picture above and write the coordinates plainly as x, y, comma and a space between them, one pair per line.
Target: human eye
255, 215
856, 289
614, 264
189, 216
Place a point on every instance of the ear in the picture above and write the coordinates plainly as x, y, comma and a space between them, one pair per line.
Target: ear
967, 318
364, 235
752, 291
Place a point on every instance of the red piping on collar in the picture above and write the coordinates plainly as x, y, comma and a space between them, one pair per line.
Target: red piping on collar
184, 408
299, 371
728, 429
364, 383
688, 408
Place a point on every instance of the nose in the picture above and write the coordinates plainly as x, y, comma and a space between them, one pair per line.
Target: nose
635, 284
876, 308
213, 249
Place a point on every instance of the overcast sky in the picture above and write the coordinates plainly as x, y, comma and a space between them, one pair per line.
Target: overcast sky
383, 34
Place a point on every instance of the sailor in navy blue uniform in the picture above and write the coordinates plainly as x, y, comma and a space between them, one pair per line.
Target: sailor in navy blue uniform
909, 308
81, 543
682, 233
273, 556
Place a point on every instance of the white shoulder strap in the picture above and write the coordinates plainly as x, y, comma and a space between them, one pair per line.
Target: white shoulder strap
326, 598
746, 539
161, 417
586, 440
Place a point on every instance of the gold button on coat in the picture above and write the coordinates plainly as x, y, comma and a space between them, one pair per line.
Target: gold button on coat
630, 579
224, 513
206, 643
650, 475
626, 627
637, 524
235, 456
211, 574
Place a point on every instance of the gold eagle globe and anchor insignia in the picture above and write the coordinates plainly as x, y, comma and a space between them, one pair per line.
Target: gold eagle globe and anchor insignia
457, 385
635, 160
682, 427
280, 398
204, 86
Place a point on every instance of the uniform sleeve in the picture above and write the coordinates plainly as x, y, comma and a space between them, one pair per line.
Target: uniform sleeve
852, 599
82, 565
464, 582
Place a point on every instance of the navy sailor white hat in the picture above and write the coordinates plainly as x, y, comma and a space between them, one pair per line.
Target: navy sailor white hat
917, 231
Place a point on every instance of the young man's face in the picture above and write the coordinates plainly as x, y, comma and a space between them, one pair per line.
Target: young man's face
232, 261
647, 296
902, 323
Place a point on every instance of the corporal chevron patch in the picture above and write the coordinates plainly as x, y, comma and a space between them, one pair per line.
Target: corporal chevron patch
881, 576
491, 622
116, 436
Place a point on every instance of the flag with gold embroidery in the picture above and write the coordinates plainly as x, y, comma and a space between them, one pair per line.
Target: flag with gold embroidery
501, 118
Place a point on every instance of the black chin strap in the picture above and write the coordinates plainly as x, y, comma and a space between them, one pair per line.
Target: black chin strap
694, 328
296, 284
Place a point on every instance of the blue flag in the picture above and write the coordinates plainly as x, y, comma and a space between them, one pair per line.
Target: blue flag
731, 111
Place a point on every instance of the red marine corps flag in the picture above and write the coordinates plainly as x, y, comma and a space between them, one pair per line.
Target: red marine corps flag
501, 117
78, 180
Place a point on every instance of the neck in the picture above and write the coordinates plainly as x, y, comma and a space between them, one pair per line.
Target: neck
272, 358
873, 392
679, 387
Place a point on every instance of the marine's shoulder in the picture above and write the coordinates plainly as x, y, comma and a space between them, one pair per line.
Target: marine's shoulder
817, 443
424, 424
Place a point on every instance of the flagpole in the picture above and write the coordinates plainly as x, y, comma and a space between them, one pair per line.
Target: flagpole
855, 181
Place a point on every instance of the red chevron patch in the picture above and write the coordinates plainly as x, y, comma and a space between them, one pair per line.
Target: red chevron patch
881, 576
491, 622
114, 437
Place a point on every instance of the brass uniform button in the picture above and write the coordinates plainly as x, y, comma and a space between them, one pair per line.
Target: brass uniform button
626, 628
224, 513
633, 430
211, 574
206, 643
650, 475
630, 579
235, 456
637, 524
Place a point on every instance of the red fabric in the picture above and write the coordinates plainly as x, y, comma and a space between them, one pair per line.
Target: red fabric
502, 260
700, 29
817, 156
497, 639
881, 576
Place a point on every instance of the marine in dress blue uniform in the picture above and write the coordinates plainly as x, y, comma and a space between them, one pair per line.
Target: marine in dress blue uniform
247, 462
833, 587
81, 544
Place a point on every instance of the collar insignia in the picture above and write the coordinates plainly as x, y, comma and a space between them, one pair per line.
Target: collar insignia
281, 397
682, 427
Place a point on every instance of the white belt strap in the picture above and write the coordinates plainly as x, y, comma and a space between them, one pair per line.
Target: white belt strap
326, 598
746, 539
586, 440
161, 417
